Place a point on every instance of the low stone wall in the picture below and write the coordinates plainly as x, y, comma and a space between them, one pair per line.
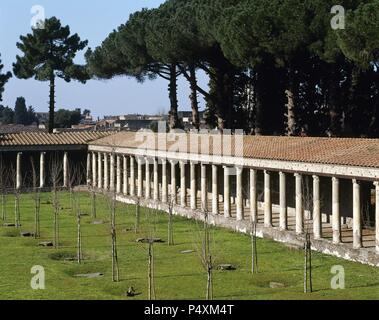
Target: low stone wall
344, 251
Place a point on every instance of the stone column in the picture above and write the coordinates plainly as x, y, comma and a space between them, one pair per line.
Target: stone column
18, 171
94, 170
118, 174
100, 171
139, 178
227, 212
147, 179
336, 216
132, 177
183, 188
173, 182
214, 190
377, 215
268, 204
125, 175
88, 169
204, 189
42, 170
164, 181
357, 222
106, 172
239, 192
283, 216
193, 186
65, 170
156, 180
112, 172
299, 204
253, 196
317, 223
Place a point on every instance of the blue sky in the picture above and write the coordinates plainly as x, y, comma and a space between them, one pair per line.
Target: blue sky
92, 20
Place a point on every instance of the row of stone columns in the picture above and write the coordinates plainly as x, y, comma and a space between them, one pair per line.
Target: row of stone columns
116, 176
42, 174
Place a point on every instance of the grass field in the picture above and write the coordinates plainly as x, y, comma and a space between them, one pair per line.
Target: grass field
177, 275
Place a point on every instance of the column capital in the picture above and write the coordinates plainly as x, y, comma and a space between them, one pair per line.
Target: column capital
239, 169
317, 178
355, 181
335, 179
376, 183
173, 162
297, 175
267, 172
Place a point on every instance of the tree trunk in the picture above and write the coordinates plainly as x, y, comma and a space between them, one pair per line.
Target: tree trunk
209, 279
56, 218
258, 120
150, 275
221, 100
4, 206
137, 222
37, 214
17, 210
93, 207
173, 115
115, 268
170, 227
193, 97
79, 239
333, 103
291, 104
52, 104
254, 253
307, 265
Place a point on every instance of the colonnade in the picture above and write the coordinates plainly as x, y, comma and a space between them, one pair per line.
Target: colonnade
116, 172
42, 170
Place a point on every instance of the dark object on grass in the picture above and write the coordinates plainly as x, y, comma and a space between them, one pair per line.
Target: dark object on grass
90, 275
226, 267
46, 244
151, 240
9, 225
27, 234
131, 292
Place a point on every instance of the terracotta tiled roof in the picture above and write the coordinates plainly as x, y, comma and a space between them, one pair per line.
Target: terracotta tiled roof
46, 139
334, 151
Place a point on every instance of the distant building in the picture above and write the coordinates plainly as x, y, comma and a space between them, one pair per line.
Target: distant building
42, 117
185, 118
130, 122
19, 128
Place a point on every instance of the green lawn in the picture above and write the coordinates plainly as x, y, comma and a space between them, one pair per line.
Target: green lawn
178, 275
